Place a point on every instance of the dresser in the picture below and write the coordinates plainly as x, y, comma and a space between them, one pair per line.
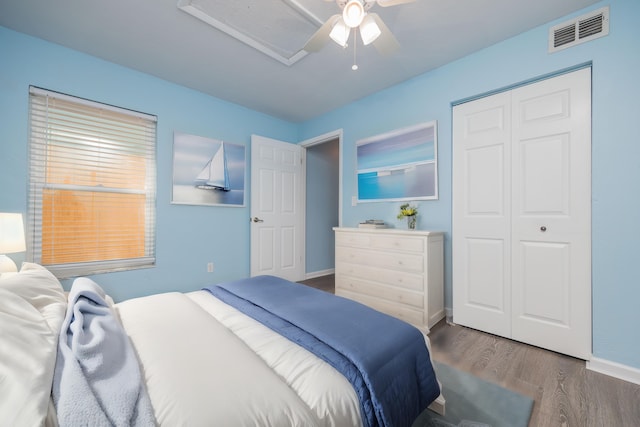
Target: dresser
398, 272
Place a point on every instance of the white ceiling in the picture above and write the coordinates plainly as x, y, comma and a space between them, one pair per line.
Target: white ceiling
156, 37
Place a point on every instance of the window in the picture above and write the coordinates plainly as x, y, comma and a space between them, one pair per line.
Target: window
92, 185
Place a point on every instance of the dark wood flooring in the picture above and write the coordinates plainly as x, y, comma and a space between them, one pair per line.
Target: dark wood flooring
565, 393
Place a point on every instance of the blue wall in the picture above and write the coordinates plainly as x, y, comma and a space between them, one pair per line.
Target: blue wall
187, 236
615, 147
190, 236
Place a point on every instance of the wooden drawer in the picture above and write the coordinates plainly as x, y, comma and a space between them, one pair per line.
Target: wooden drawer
397, 278
397, 261
372, 241
402, 312
389, 293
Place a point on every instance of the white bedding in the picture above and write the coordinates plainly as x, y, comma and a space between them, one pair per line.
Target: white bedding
203, 362
243, 374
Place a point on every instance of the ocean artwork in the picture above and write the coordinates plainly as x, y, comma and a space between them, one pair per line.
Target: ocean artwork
207, 171
399, 165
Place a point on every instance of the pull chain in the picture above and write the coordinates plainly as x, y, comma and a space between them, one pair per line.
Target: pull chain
354, 67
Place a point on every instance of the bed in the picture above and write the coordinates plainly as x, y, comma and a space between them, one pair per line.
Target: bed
261, 351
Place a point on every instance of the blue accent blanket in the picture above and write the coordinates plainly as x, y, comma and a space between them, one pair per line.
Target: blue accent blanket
97, 379
385, 359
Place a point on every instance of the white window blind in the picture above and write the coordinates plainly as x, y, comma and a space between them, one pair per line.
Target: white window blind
92, 185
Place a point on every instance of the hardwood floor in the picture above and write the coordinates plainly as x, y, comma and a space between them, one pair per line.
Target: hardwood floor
325, 283
566, 394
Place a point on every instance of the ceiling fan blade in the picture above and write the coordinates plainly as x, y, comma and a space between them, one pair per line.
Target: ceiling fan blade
320, 37
386, 43
387, 3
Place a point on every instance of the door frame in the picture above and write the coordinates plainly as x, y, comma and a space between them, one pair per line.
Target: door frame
318, 140
321, 139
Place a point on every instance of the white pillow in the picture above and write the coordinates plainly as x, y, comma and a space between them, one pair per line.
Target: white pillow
32, 307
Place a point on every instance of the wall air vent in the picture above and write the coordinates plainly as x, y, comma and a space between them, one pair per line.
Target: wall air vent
579, 30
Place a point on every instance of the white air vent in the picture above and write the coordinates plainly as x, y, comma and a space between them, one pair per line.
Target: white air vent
579, 30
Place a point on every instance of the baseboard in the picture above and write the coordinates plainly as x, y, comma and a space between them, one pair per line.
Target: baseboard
319, 273
613, 369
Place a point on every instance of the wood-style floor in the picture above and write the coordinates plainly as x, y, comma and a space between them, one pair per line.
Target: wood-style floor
565, 393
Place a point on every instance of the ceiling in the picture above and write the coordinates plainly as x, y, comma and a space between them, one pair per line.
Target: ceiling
159, 38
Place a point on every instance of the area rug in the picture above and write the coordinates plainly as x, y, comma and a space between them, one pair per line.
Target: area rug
473, 402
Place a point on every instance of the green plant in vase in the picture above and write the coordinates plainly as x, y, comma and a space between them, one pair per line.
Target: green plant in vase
410, 213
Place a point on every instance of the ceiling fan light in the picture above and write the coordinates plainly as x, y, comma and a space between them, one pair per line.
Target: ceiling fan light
353, 13
369, 30
340, 33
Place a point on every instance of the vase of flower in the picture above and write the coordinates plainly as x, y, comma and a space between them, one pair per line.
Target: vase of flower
410, 213
411, 222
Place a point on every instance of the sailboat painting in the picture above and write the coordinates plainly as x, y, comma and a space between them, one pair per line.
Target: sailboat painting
207, 171
215, 174
400, 165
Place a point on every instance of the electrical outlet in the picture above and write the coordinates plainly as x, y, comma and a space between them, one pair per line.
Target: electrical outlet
209, 267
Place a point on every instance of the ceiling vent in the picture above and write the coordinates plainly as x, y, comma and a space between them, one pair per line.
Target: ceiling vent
579, 30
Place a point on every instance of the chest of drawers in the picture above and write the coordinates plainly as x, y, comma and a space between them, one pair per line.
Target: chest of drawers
394, 271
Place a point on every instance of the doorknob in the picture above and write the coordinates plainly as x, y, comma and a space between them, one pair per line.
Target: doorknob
543, 228
256, 219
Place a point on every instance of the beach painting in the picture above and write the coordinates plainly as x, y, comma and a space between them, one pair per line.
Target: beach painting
399, 165
207, 171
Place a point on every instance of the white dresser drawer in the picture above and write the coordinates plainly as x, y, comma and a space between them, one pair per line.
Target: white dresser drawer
398, 261
372, 241
397, 278
375, 289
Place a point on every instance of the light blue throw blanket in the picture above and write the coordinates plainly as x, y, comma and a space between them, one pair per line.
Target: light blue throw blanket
385, 359
97, 380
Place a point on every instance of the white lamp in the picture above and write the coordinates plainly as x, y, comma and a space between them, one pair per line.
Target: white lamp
369, 30
353, 13
340, 33
11, 240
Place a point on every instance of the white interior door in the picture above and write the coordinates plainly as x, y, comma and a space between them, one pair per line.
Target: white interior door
482, 214
522, 214
551, 214
277, 208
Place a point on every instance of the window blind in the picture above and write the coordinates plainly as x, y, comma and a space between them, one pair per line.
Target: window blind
92, 185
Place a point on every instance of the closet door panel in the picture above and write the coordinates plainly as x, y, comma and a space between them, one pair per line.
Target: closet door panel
551, 220
482, 210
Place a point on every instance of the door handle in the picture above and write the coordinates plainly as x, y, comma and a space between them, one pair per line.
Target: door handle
256, 219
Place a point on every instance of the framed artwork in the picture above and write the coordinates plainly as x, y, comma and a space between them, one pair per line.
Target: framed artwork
207, 171
399, 165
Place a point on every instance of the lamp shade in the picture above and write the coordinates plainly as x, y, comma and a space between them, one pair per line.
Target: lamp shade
369, 30
340, 33
11, 233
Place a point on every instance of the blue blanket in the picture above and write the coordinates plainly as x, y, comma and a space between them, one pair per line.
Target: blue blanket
97, 379
385, 359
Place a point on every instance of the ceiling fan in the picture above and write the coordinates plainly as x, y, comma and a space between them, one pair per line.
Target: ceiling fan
355, 15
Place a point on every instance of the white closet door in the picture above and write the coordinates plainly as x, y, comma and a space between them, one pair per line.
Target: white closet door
482, 214
551, 221
522, 214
